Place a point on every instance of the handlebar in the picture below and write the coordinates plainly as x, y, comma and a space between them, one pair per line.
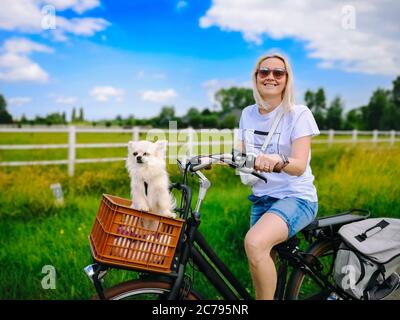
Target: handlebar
237, 160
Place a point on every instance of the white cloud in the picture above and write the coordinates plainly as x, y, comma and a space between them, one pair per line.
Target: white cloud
80, 26
18, 101
181, 5
14, 68
78, 6
212, 86
159, 96
21, 15
158, 76
27, 16
15, 63
66, 100
24, 46
361, 36
105, 93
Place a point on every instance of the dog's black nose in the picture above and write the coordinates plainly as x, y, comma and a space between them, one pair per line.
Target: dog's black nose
139, 159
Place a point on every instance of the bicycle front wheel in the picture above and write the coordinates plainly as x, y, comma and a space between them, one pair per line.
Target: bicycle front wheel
143, 290
301, 285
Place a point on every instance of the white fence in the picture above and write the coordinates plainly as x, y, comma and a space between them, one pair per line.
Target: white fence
356, 136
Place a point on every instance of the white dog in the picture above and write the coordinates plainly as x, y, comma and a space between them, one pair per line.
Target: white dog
149, 178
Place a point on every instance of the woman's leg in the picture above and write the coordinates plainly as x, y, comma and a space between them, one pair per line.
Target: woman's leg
269, 231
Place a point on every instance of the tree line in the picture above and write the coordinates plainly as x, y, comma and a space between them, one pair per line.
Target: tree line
382, 112
54, 118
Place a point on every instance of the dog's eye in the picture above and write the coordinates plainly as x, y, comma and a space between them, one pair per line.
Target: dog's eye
145, 154
135, 154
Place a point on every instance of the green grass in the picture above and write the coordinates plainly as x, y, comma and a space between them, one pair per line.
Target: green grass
34, 232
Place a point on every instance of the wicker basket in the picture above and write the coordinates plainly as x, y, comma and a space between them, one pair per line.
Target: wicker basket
126, 237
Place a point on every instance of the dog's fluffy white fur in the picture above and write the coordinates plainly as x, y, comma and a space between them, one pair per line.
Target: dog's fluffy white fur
146, 164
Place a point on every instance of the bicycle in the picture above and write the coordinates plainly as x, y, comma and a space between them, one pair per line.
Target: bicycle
312, 269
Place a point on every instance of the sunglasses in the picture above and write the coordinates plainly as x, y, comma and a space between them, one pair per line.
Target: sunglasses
278, 73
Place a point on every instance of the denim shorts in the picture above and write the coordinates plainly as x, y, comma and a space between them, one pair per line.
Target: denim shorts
296, 212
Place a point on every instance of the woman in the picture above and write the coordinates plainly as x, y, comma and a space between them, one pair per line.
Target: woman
288, 202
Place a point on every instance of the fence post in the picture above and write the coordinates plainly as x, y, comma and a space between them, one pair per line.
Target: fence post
392, 136
135, 134
190, 142
331, 135
375, 136
354, 137
71, 150
235, 138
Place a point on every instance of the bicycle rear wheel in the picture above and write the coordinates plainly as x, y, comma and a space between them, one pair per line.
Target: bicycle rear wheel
143, 290
301, 285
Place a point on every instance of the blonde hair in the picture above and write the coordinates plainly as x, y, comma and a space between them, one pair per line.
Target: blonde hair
287, 94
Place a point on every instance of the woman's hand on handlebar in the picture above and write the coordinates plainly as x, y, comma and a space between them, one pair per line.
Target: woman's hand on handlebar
267, 162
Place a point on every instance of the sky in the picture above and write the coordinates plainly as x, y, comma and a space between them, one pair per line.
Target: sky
133, 57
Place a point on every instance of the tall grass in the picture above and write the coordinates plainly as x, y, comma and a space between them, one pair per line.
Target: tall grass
365, 177
35, 232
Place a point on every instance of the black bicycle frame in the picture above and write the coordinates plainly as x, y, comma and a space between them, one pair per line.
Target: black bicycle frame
216, 271
289, 254
230, 288
219, 275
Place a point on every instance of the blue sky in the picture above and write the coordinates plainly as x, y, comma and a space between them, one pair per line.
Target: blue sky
132, 57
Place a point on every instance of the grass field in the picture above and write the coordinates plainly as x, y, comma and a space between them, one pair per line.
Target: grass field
34, 232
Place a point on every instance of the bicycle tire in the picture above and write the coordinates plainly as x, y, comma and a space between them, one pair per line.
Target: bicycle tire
300, 285
142, 290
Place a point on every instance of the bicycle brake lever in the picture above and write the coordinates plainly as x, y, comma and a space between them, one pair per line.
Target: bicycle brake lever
259, 176
245, 163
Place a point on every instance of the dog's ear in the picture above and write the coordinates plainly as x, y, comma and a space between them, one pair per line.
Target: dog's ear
161, 148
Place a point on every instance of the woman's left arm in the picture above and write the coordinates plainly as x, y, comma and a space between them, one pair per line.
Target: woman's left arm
297, 160
299, 156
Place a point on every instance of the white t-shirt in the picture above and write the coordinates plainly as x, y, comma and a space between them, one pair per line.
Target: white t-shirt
299, 122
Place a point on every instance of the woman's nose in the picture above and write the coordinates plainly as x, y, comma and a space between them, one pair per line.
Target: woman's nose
270, 77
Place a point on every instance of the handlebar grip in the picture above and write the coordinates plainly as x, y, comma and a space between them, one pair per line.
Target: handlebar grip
194, 168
